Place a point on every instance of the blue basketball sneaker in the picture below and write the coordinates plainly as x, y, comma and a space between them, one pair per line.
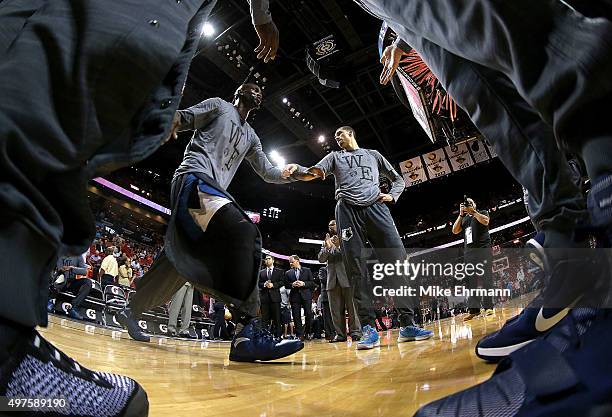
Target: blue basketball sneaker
412, 333
562, 292
127, 321
254, 343
369, 339
565, 373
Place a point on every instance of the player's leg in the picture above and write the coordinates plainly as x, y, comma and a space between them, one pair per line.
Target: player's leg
349, 221
384, 237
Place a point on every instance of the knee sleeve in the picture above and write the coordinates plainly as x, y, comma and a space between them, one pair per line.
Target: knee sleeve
236, 253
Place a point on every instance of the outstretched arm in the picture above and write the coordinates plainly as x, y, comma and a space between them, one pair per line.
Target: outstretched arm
268, 172
323, 168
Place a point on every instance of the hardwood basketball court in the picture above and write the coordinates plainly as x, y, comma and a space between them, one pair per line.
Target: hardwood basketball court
189, 378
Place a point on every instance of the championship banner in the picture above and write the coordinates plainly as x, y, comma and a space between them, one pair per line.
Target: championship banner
479, 151
491, 150
413, 171
437, 164
459, 156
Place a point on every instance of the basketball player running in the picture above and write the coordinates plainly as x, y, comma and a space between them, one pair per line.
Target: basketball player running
210, 241
362, 215
87, 87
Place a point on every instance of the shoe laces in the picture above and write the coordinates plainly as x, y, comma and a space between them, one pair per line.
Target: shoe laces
65, 362
263, 334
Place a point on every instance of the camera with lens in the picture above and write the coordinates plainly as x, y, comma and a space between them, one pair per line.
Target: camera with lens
466, 201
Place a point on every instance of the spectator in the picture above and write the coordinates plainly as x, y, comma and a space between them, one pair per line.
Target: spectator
109, 269
220, 331
477, 243
66, 272
286, 319
323, 302
125, 272
181, 301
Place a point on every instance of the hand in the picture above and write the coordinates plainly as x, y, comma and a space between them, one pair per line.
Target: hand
390, 59
317, 172
289, 170
385, 198
268, 41
328, 241
173, 130
301, 283
470, 210
336, 241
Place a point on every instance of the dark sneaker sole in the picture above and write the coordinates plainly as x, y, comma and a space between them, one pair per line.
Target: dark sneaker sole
368, 346
138, 405
237, 358
139, 337
403, 339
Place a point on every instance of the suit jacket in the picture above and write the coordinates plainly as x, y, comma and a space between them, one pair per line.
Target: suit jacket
271, 295
323, 285
305, 293
336, 272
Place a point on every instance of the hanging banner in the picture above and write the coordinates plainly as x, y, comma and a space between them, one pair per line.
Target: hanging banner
459, 156
437, 164
416, 98
413, 171
479, 151
490, 149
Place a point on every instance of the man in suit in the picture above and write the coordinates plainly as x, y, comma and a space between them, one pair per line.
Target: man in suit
299, 279
339, 289
328, 323
270, 281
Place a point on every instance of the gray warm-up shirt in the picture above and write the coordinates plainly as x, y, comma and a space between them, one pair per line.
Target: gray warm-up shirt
75, 261
357, 175
220, 142
260, 12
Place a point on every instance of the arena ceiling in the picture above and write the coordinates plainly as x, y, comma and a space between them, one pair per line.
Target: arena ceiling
380, 120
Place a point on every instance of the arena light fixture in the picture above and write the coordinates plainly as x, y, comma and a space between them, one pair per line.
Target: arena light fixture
321, 139
277, 159
208, 30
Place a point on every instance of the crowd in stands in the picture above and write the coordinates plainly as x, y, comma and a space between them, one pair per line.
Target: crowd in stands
134, 258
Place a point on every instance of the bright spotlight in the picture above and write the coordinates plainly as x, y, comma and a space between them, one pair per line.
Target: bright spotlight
321, 139
277, 159
285, 100
208, 30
